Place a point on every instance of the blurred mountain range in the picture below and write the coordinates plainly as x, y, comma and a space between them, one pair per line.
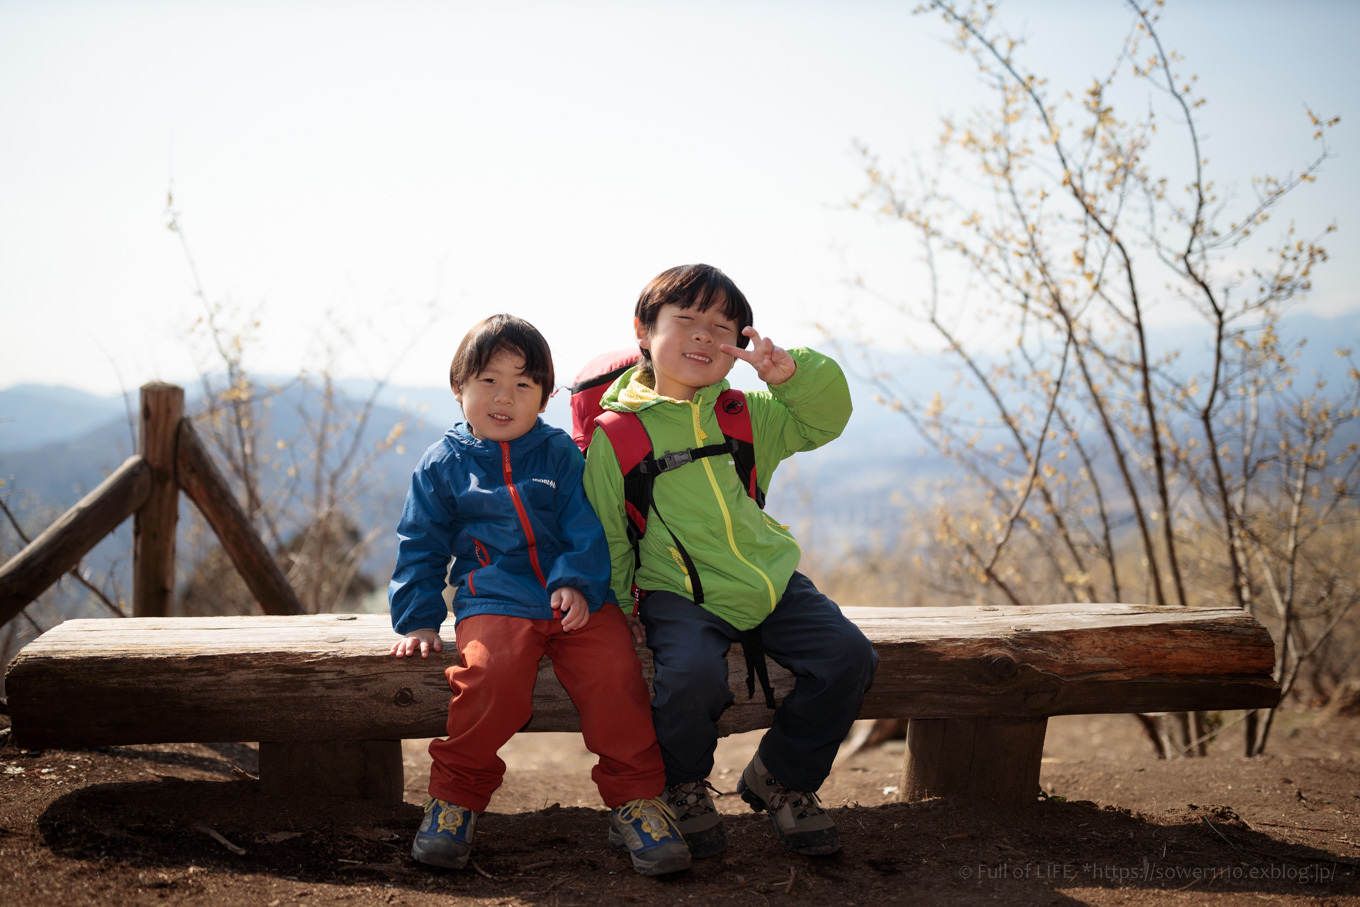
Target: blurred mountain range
56, 444
856, 493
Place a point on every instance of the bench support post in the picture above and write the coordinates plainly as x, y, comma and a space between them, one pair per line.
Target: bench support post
349, 769
994, 759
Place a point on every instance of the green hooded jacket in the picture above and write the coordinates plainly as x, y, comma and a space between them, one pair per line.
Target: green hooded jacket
744, 557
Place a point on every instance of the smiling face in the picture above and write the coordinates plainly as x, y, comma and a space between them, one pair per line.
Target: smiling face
501, 402
684, 346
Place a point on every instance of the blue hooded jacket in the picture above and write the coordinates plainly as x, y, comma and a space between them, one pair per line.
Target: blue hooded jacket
514, 518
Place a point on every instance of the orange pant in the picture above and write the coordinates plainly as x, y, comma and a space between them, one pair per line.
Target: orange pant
493, 698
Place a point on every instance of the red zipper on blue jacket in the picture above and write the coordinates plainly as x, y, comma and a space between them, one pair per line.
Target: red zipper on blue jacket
483, 558
523, 515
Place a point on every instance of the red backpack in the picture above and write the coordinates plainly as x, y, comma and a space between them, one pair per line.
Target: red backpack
640, 468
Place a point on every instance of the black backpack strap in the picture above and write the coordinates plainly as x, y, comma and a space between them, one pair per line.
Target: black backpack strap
753, 649
605, 378
696, 587
633, 449
674, 459
648, 469
637, 497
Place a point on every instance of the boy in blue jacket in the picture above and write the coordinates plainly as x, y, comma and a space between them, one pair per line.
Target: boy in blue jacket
501, 494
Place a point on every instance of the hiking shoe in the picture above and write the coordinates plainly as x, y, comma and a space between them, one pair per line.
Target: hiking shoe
647, 830
799, 820
699, 820
445, 835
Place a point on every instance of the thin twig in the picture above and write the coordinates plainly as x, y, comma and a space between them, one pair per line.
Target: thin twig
1217, 832
37, 627
747, 884
391, 870
216, 836
550, 887
74, 571
1214, 733
1195, 881
1298, 827
786, 883
1033, 472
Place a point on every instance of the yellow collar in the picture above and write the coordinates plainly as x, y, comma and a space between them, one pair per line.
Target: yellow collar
640, 391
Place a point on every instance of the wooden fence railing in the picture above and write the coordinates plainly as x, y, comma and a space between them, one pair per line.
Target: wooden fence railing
171, 458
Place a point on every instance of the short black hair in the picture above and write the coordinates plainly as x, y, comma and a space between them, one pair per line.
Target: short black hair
690, 286
501, 333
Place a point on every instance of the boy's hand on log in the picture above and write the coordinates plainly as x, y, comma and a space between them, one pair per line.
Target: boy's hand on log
636, 628
571, 606
422, 641
772, 363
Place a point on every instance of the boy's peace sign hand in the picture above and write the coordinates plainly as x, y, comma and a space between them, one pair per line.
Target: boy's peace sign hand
772, 363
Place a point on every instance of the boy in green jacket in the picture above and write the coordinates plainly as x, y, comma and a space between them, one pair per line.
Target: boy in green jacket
692, 324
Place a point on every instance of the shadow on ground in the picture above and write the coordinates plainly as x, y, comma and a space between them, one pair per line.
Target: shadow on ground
933, 852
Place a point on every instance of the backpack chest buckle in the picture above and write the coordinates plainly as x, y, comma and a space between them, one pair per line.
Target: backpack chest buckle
674, 459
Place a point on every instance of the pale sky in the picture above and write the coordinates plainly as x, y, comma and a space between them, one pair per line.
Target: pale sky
365, 167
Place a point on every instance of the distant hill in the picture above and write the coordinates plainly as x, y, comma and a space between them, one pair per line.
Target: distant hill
32, 415
58, 443
56, 455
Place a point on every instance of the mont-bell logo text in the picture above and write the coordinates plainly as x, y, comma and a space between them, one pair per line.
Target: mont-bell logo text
549, 482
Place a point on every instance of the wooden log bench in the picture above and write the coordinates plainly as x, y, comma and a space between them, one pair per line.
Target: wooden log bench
329, 707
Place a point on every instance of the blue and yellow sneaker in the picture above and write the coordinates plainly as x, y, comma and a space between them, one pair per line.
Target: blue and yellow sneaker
647, 830
445, 836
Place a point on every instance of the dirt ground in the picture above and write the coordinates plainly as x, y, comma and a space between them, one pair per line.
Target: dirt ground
174, 824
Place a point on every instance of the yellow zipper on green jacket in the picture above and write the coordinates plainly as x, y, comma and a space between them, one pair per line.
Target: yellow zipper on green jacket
699, 438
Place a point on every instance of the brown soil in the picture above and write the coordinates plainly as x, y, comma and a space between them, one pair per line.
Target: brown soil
130, 825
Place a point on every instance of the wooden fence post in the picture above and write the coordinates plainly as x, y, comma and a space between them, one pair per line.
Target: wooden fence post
153, 558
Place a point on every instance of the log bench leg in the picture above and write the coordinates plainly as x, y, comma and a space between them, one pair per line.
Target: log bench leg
349, 769
994, 759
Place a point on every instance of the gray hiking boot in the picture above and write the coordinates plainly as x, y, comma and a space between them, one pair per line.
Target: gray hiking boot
647, 830
799, 820
699, 820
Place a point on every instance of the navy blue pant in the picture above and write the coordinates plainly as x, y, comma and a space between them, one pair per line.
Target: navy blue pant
831, 660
